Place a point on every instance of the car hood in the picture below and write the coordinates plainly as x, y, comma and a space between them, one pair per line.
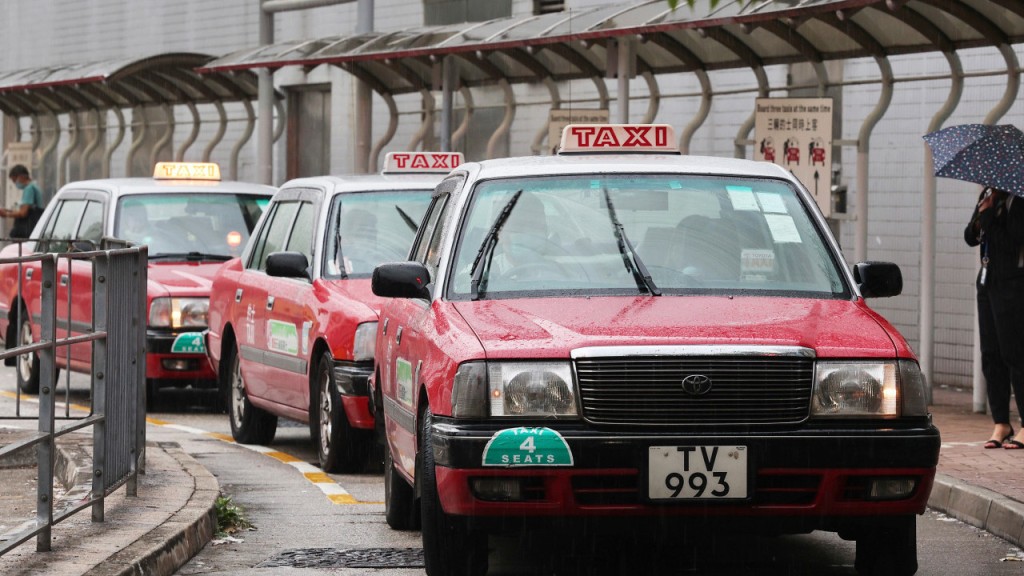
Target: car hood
540, 327
182, 278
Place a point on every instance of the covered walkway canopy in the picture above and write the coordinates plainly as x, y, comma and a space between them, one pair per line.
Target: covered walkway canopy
163, 80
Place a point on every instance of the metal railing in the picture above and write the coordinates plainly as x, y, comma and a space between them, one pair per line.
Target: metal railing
116, 333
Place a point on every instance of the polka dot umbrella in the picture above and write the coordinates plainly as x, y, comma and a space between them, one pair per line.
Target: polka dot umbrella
980, 153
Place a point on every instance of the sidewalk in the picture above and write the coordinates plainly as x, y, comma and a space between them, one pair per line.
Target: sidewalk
173, 516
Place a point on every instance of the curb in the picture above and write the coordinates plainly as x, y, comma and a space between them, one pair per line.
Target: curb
166, 548
980, 507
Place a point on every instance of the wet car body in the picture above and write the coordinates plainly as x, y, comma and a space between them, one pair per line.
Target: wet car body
738, 389
191, 226
293, 321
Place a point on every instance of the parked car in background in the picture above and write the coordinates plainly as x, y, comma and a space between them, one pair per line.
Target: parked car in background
620, 333
191, 221
293, 322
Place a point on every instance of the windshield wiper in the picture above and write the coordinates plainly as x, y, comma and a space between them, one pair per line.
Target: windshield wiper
407, 219
190, 256
487, 246
634, 265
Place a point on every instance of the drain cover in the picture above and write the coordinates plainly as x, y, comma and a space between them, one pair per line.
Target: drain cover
334, 558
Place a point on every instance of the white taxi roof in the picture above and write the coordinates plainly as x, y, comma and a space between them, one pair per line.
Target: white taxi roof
608, 163
366, 182
123, 186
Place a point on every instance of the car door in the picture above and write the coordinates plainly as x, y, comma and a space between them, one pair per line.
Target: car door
249, 314
289, 313
408, 340
74, 277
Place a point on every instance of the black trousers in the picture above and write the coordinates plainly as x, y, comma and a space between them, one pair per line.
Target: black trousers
1001, 328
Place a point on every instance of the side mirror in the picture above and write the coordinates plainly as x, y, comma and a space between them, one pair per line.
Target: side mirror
878, 279
401, 280
83, 246
288, 265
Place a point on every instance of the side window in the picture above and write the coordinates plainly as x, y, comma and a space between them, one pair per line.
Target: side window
433, 257
302, 232
91, 227
62, 226
276, 234
419, 252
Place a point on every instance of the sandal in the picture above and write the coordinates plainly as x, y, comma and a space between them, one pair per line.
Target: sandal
991, 444
1013, 445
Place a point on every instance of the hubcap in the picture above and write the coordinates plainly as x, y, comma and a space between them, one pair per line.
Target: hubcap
325, 412
25, 360
237, 395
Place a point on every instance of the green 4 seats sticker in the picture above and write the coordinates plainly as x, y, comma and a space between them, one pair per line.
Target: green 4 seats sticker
189, 343
527, 447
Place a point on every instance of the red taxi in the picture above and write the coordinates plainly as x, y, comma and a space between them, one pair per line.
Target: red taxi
293, 322
620, 331
191, 221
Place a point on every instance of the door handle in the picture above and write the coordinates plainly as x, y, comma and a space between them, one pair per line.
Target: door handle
386, 320
238, 295
28, 273
63, 279
270, 302
398, 335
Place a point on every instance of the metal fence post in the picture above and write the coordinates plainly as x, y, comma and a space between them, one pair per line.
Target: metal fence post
46, 450
100, 272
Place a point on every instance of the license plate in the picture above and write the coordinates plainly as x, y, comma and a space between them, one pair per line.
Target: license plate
697, 472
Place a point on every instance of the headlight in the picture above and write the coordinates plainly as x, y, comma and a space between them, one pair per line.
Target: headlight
484, 389
179, 312
365, 341
855, 389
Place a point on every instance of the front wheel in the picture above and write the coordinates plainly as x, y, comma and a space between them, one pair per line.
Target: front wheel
399, 499
249, 424
28, 363
889, 549
450, 548
340, 448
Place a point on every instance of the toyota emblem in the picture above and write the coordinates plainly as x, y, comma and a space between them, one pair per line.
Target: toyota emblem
697, 385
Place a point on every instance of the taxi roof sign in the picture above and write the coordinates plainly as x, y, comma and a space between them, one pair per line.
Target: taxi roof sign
186, 171
421, 162
599, 138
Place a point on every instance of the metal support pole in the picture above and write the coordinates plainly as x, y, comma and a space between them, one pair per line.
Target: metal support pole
702, 113
1009, 96
364, 97
75, 132
108, 154
926, 346
743, 134
447, 88
265, 95
506, 122
863, 147
625, 54
389, 133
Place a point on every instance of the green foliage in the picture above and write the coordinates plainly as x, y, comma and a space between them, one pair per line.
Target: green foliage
230, 518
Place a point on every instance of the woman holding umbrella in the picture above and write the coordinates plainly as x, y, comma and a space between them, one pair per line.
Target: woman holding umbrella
997, 226
993, 156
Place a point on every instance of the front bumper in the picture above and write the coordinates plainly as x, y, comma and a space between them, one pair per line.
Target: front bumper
163, 362
351, 378
820, 477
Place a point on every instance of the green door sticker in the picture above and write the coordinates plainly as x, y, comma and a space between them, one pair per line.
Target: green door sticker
189, 343
282, 337
527, 447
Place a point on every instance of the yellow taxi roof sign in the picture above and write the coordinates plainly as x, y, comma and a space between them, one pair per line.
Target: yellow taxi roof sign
602, 138
421, 162
186, 171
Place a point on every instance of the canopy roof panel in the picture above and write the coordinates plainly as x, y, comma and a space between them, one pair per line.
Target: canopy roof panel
160, 79
569, 45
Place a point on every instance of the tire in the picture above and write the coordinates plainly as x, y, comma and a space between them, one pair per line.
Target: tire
339, 447
890, 549
400, 508
28, 363
450, 548
249, 424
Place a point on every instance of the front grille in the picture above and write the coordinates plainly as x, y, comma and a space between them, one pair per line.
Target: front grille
648, 391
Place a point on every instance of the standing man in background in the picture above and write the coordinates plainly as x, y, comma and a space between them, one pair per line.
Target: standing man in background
27, 213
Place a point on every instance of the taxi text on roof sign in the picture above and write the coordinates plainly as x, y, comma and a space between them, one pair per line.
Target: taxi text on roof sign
596, 138
420, 162
186, 171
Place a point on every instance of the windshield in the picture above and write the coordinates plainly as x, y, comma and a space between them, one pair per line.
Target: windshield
647, 234
179, 224
373, 227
